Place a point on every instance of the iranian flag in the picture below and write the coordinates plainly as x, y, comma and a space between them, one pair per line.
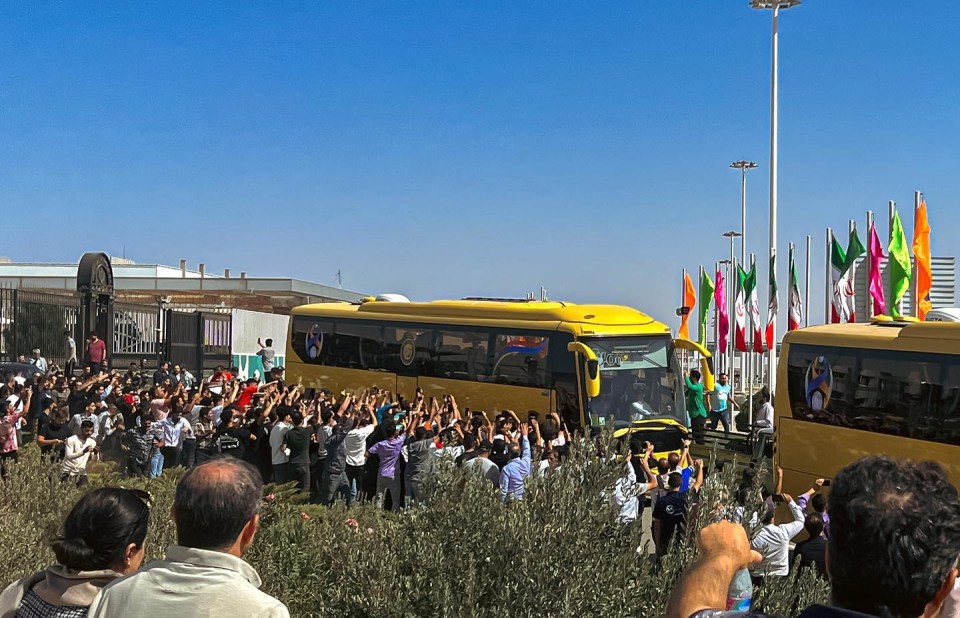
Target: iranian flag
795, 317
740, 312
843, 269
773, 305
754, 304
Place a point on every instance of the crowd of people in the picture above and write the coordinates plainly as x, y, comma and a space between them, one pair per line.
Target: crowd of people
349, 446
235, 435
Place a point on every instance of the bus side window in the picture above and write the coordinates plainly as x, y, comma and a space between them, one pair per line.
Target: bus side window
356, 345
463, 356
313, 339
521, 360
409, 351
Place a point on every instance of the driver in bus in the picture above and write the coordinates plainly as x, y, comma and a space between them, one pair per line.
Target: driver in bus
639, 408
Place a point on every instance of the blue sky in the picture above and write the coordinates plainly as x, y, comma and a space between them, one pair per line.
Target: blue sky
444, 149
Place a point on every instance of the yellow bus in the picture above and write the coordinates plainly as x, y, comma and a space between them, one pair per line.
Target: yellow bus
849, 390
594, 365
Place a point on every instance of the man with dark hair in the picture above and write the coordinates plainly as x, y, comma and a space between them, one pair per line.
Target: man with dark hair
813, 550
297, 441
670, 514
266, 354
96, 353
773, 541
893, 547
818, 503
696, 405
162, 374
216, 513
513, 476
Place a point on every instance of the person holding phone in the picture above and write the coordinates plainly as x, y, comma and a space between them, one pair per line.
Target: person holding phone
773, 541
813, 502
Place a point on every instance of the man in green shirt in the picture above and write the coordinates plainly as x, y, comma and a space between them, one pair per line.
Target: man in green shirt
695, 404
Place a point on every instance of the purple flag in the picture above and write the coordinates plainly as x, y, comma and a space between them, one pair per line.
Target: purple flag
876, 282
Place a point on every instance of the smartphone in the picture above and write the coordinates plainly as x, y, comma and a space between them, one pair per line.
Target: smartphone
309, 393
778, 499
826, 483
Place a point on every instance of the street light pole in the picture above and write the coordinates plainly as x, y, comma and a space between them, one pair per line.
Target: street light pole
743, 166
776, 5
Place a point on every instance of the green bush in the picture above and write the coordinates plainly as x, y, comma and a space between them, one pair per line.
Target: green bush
559, 552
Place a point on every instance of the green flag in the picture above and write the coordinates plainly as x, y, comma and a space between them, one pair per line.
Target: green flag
706, 293
899, 265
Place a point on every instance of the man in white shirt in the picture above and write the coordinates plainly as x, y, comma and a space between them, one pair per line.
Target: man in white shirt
71, 354
773, 542
77, 454
89, 414
38, 361
355, 446
627, 490
175, 430
216, 514
764, 418
278, 454
481, 462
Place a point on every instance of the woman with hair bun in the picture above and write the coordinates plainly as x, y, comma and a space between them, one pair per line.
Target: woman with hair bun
103, 539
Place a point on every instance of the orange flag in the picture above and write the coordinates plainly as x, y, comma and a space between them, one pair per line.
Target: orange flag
689, 300
921, 255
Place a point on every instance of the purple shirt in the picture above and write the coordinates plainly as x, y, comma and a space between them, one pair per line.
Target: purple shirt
389, 453
802, 503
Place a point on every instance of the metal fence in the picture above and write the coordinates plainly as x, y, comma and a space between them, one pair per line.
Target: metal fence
36, 320
145, 334
197, 340
136, 334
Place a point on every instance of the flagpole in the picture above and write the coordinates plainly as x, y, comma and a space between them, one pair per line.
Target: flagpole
751, 360
891, 211
851, 228
828, 298
870, 260
733, 316
806, 291
717, 352
914, 280
701, 336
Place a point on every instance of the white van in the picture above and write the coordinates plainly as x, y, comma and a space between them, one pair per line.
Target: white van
947, 314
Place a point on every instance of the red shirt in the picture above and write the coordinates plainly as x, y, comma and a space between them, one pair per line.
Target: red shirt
245, 396
96, 351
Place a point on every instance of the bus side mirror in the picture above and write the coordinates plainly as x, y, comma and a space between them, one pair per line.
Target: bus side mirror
591, 367
706, 360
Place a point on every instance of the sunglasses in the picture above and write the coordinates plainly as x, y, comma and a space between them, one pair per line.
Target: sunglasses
145, 496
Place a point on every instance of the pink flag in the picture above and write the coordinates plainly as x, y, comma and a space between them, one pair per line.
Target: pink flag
723, 318
876, 283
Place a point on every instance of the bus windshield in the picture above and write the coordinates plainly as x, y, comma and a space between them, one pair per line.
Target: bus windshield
639, 379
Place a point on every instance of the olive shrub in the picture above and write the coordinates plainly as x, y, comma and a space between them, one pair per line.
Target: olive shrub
558, 552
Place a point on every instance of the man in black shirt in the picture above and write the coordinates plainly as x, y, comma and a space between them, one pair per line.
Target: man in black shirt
813, 550
298, 441
670, 513
469, 449
234, 438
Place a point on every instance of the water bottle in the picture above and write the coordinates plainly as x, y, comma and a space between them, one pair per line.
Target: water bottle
740, 592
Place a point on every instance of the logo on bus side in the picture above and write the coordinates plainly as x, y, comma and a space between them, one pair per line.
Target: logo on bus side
408, 351
819, 384
314, 342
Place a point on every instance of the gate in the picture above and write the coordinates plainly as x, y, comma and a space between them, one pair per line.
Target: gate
196, 340
31, 319
136, 335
